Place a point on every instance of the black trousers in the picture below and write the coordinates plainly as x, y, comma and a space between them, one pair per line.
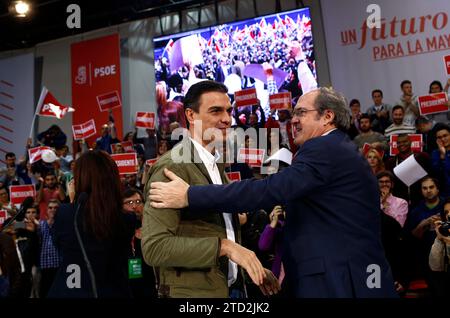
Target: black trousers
47, 277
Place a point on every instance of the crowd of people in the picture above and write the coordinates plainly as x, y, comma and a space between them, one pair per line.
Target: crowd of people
37, 241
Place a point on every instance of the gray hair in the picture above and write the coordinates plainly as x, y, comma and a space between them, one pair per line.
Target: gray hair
329, 99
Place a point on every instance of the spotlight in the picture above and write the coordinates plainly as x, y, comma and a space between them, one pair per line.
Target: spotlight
19, 9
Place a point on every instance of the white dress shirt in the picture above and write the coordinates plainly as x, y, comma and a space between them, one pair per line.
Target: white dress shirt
210, 163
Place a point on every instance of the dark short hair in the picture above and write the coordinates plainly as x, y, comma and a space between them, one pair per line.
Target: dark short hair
129, 192
377, 91
426, 178
195, 92
405, 82
385, 174
353, 102
435, 83
422, 120
365, 116
398, 107
441, 126
9, 155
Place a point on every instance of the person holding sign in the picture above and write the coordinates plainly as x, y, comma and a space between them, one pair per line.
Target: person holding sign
332, 242
435, 88
199, 255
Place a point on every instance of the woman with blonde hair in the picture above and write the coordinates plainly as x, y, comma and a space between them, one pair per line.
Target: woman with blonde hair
375, 161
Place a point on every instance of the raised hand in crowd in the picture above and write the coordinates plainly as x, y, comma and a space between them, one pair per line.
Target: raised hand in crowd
441, 147
275, 215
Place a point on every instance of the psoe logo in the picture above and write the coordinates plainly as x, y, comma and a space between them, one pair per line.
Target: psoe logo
81, 77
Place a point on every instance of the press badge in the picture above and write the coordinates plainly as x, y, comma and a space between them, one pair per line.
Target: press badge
134, 268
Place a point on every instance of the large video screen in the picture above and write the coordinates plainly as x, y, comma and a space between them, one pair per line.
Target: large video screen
236, 54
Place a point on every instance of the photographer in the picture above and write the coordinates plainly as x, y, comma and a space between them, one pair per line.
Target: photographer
440, 251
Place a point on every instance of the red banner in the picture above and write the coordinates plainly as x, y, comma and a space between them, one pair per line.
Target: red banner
434, 103
280, 100
3, 217
126, 162
246, 97
35, 154
447, 64
416, 144
126, 145
145, 120
251, 156
96, 82
19, 193
234, 176
84, 131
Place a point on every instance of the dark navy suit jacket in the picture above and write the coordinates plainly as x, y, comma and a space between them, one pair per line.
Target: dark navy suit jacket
332, 232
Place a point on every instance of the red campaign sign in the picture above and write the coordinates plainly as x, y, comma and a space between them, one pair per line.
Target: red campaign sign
416, 144
126, 162
151, 162
3, 217
280, 100
447, 64
18, 194
108, 101
96, 83
251, 156
126, 145
434, 103
246, 97
145, 120
35, 154
84, 131
234, 176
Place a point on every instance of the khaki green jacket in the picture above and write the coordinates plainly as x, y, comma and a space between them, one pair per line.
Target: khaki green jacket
183, 244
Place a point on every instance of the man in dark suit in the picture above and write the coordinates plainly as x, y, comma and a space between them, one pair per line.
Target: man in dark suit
332, 232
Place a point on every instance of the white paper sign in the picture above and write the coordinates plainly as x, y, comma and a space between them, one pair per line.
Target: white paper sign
282, 155
409, 171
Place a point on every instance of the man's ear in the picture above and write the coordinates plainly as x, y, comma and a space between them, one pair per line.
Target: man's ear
189, 115
329, 116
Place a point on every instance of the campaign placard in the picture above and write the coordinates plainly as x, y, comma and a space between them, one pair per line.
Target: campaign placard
246, 97
126, 162
17, 194
251, 156
234, 176
145, 120
109, 101
35, 154
433, 103
416, 144
280, 100
84, 131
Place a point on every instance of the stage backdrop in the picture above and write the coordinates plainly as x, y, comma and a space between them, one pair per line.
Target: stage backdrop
413, 38
16, 103
96, 82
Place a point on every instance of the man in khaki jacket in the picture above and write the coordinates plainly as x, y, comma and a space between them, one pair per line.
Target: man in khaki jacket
197, 253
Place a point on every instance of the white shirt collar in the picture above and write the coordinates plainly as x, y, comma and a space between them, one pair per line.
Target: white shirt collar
205, 155
329, 131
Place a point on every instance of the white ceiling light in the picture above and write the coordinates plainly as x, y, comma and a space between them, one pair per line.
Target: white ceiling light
20, 8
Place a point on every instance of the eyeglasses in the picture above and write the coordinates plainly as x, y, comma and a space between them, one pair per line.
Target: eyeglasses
133, 202
301, 112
